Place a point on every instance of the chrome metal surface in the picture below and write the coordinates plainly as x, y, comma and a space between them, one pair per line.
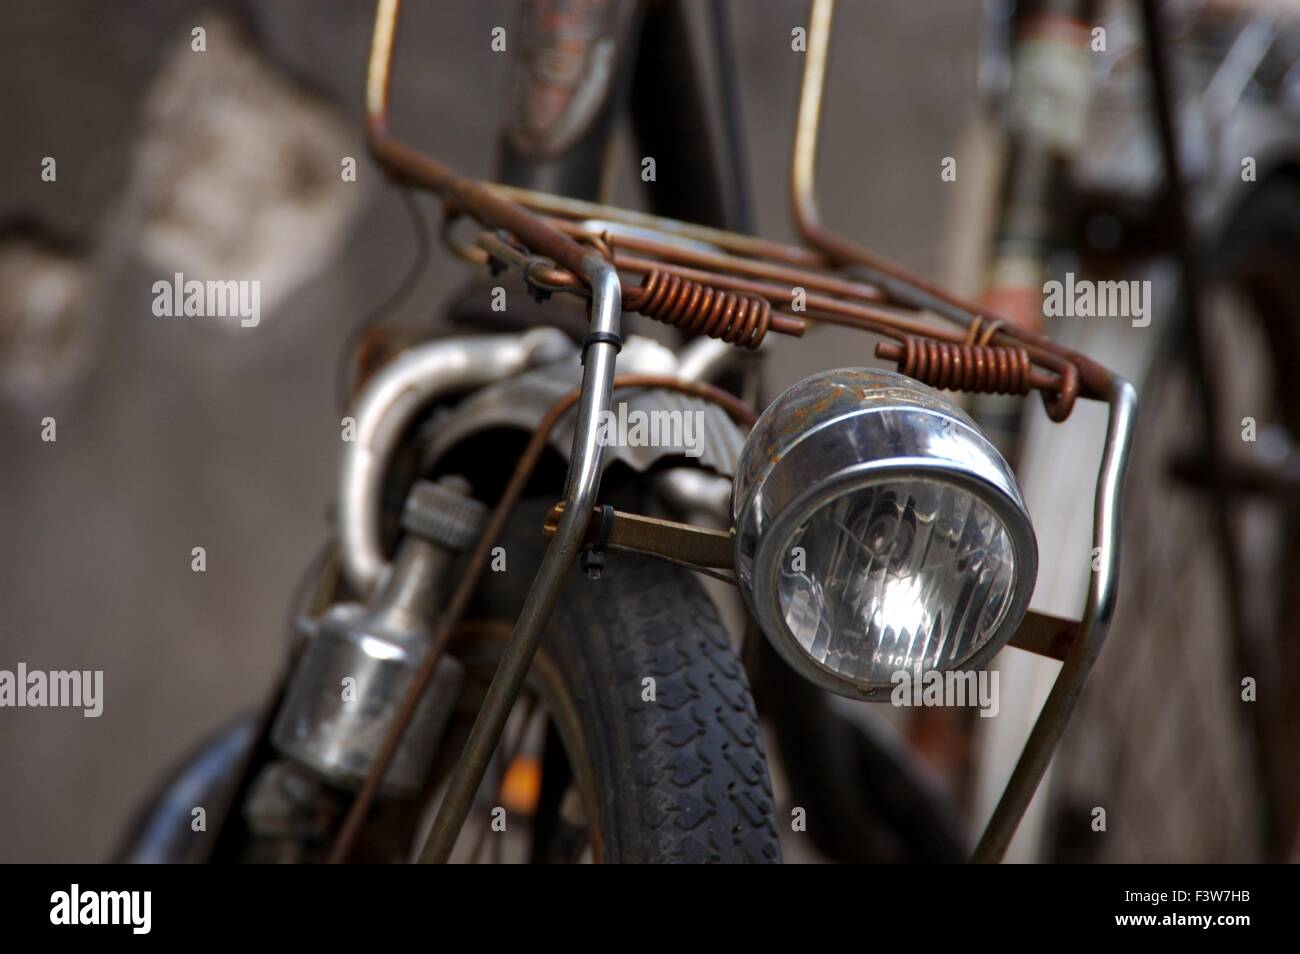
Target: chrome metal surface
699, 495
521, 401
1051, 722
840, 433
360, 661
705, 359
392, 399
580, 496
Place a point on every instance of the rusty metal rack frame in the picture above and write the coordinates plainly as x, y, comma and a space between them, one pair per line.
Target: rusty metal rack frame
735, 288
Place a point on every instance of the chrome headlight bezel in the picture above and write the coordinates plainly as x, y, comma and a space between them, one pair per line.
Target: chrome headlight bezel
838, 432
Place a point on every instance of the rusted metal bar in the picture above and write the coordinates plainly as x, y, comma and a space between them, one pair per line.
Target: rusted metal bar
1059, 388
495, 206
701, 307
978, 369
683, 543
1046, 635
748, 245
892, 278
719, 261
417, 168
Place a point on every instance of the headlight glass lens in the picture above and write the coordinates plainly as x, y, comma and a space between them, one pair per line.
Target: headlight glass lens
899, 575
877, 531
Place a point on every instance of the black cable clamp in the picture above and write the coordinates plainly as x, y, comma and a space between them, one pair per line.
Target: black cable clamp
593, 558
538, 293
495, 265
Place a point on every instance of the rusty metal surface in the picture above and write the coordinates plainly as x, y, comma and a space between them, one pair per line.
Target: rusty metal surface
1046, 635
978, 369
680, 543
698, 309
697, 305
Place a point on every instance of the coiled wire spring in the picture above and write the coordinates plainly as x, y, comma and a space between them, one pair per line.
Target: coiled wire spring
950, 366
700, 310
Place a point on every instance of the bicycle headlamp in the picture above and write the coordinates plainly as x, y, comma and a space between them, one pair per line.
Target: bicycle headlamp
877, 531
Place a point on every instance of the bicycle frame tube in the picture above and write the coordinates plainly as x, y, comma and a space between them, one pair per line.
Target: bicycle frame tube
599, 357
1055, 714
600, 352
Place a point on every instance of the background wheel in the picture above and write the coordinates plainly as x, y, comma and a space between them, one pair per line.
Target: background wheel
1187, 769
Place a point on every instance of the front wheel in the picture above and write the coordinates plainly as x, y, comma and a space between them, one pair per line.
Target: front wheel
636, 739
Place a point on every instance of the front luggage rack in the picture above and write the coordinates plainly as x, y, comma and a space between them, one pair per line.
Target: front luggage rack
737, 289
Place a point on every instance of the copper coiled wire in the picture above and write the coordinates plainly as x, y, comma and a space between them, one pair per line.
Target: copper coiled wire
949, 366
700, 310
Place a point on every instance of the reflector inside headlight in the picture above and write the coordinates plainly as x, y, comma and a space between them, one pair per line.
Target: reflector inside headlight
878, 531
